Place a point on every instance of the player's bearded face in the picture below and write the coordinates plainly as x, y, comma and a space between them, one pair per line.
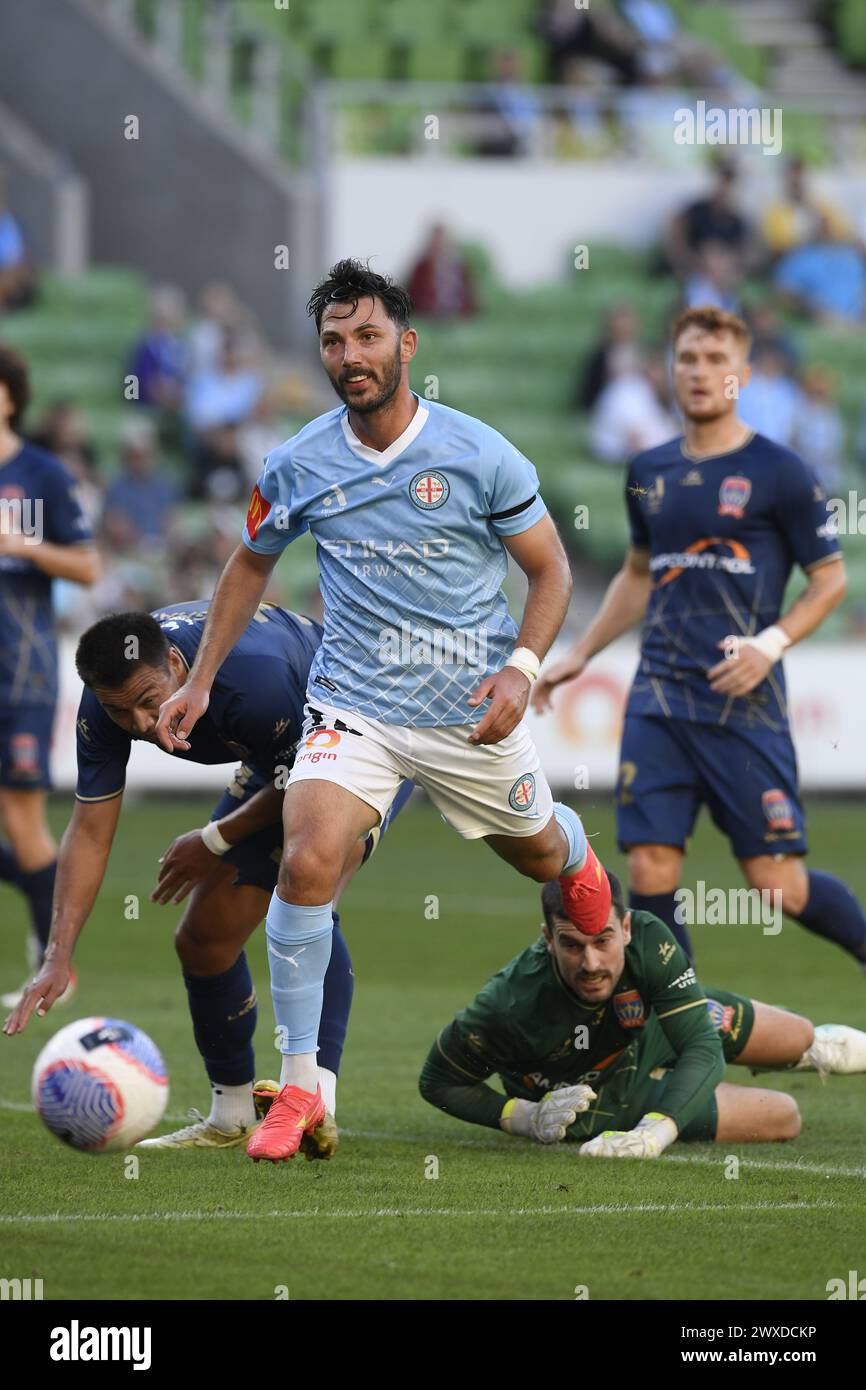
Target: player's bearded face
590, 966
382, 374
708, 371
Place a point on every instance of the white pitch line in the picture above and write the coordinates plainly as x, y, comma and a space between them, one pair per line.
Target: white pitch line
348, 1214
797, 1165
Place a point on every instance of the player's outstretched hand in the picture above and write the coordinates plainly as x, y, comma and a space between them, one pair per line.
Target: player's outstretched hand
508, 693
649, 1138
741, 668
568, 669
43, 990
179, 715
185, 863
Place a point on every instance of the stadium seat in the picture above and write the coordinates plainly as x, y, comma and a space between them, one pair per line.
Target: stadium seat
436, 62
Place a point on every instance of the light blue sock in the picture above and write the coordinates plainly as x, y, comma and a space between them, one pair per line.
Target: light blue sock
299, 948
570, 823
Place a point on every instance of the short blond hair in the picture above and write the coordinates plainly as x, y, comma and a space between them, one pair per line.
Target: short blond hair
711, 320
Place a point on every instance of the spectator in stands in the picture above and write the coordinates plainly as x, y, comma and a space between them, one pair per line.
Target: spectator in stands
139, 502
572, 31
819, 431
226, 393
440, 282
767, 331
825, 279
714, 280
633, 412
62, 430
515, 111
219, 468
714, 218
159, 359
771, 401
220, 313
17, 273
617, 353
795, 218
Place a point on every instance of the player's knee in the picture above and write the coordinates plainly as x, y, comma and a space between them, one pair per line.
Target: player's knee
786, 1122
307, 871
197, 953
653, 869
786, 875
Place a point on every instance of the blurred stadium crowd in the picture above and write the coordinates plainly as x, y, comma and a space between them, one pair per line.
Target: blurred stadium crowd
206, 396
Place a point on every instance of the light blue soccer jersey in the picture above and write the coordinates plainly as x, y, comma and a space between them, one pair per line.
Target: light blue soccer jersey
411, 562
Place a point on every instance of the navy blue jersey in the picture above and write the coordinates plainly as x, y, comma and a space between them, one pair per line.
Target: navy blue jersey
723, 534
38, 498
256, 701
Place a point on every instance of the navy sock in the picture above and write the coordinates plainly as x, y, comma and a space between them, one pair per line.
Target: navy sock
663, 905
337, 1002
223, 1010
832, 911
9, 870
38, 888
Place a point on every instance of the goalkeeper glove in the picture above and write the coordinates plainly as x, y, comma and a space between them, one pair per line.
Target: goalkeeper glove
649, 1138
546, 1120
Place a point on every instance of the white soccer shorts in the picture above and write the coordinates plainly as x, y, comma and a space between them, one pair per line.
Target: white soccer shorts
487, 789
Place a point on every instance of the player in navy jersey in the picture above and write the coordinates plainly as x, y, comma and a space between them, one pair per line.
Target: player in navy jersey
44, 535
415, 509
129, 663
718, 519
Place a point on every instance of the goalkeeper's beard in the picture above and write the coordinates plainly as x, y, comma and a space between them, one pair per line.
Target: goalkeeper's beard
390, 382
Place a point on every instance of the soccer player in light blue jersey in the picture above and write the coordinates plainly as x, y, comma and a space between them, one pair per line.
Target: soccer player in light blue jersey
421, 673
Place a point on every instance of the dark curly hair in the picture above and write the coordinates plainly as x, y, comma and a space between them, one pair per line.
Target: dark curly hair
349, 281
15, 376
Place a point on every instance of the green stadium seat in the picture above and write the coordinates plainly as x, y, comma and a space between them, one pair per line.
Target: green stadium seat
436, 62
353, 62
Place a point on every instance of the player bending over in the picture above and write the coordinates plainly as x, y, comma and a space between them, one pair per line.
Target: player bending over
44, 535
718, 519
415, 509
608, 1038
130, 663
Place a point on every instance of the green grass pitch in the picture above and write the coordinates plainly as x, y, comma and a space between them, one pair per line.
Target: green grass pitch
503, 1219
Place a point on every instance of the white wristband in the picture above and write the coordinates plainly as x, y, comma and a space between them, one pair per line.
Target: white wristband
214, 841
522, 659
771, 642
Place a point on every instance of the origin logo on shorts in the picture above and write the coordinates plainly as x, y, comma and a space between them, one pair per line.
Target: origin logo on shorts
629, 1009
522, 794
429, 490
322, 738
778, 811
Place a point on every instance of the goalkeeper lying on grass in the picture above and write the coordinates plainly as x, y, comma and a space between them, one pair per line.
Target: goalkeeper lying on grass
610, 1040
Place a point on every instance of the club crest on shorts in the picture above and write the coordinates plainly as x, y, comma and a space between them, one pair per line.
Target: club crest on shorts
721, 1015
429, 490
522, 794
778, 811
24, 749
733, 496
628, 1007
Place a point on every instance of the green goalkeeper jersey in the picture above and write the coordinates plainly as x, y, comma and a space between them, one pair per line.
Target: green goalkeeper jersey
527, 1025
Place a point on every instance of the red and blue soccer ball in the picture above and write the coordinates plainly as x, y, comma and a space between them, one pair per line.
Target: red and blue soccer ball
100, 1084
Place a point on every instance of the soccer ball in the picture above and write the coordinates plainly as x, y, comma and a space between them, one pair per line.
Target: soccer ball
100, 1084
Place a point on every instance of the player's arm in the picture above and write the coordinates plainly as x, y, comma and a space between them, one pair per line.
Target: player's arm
454, 1077
238, 593
802, 516
540, 554
81, 864
622, 608
192, 856
681, 1008
748, 660
78, 563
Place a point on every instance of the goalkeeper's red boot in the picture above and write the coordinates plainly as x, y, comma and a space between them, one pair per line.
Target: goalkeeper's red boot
586, 896
293, 1114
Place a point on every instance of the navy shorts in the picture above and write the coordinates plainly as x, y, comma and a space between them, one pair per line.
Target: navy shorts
257, 859
747, 778
25, 747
